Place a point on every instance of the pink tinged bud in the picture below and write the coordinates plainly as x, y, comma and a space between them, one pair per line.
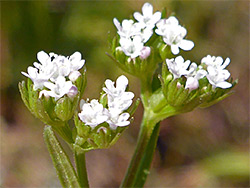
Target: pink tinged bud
145, 52
72, 92
192, 83
74, 75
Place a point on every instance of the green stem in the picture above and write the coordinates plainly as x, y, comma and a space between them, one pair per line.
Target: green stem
146, 89
140, 164
81, 168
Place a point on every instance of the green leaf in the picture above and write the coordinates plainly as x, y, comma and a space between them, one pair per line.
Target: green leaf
64, 168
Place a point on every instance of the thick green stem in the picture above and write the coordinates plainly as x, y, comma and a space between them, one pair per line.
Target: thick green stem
81, 168
140, 164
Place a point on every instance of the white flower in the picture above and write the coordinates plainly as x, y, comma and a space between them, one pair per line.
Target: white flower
147, 19
215, 61
217, 74
118, 120
93, 113
118, 99
57, 89
132, 46
178, 67
127, 29
217, 77
173, 34
42, 71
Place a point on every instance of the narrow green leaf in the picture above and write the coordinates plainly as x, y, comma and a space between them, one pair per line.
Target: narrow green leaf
64, 168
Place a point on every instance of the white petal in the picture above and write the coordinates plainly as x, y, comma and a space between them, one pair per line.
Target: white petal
25, 74
179, 59
175, 49
200, 74
32, 72
75, 56
122, 82
186, 44
147, 9
117, 24
156, 17
109, 84
49, 85
225, 73
173, 20
42, 56
138, 16
226, 63
224, 85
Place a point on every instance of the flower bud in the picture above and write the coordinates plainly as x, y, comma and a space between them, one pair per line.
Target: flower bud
74, 75
191, 83
145, 52
72, 92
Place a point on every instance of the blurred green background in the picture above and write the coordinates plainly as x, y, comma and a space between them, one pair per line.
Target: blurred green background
203, 148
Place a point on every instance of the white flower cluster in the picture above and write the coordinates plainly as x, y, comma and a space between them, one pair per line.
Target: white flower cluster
215, 71
133, 36
119, 100
54, 74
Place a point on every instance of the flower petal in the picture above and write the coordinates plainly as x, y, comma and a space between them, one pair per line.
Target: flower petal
224, 85
138, 16
42, 56
147, 9
186, 44
175, 49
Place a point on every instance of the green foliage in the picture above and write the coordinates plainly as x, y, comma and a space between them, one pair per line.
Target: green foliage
64, 168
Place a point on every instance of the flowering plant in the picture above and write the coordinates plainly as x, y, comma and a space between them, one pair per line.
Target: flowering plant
55, 86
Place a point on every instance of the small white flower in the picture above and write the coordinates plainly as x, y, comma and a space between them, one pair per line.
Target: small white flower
132, 46
215, 61
147, 18
118, 120
59, 88
178, 67
42, 71
93, 113
173, 34
127, 29
217, 77
217, 74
